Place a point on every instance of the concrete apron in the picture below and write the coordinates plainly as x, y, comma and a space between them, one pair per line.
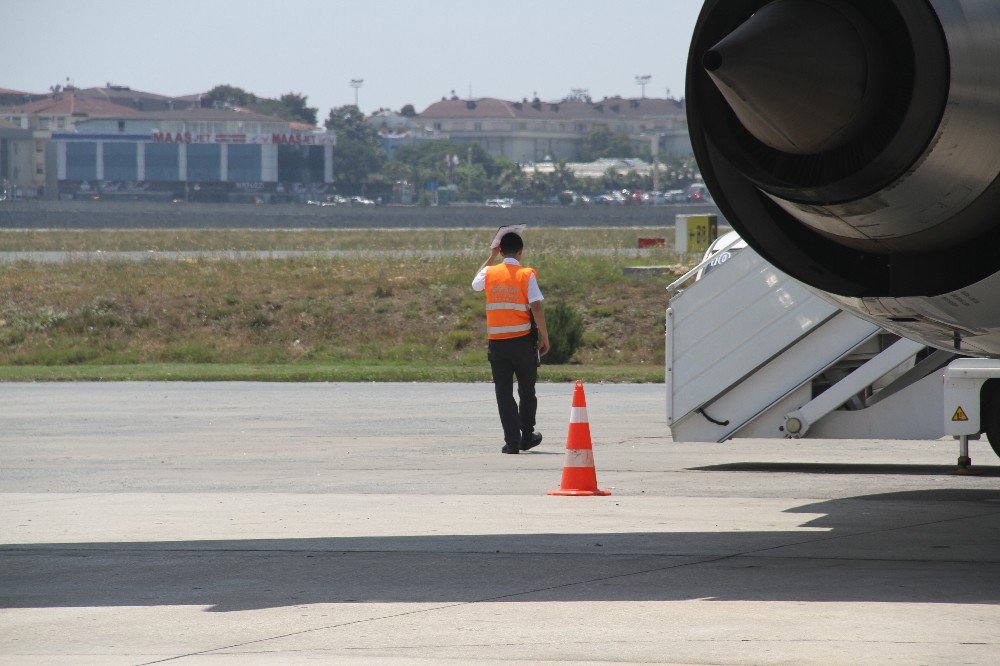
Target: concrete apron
198, 522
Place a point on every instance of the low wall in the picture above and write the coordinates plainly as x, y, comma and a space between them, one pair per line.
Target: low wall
146, 215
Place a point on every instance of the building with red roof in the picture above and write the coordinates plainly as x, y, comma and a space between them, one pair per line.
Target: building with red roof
138, 99
56, 112
61, 111
535, 131
17, 161
115, 142
9, 97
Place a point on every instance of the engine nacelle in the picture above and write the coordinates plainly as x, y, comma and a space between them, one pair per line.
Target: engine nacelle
855, 144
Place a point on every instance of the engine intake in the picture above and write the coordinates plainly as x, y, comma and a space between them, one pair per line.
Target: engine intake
854, 144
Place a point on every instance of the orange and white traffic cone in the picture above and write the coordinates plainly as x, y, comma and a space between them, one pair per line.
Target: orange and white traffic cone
579, 476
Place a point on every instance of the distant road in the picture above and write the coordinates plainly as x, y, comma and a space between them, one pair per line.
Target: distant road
56, 257
142, 215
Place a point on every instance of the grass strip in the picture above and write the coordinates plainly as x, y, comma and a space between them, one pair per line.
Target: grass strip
141, 240
297, 372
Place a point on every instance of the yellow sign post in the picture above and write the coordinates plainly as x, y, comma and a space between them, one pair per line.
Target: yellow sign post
694, 233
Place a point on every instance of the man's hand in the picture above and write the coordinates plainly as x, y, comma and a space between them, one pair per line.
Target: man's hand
544, 346
538, 314
494, 253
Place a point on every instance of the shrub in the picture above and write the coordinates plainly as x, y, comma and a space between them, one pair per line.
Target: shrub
457, 338
41, 319
565, 333
190, 352
594, 340
259, 322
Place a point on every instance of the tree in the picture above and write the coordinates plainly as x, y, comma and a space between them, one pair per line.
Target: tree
562, 179
610, 179
354, 163
431, 153
473, 183
290, 106
510, 180
359, 153
408, 111
602, 142
349, 123
296, 107
227, 95
446, 162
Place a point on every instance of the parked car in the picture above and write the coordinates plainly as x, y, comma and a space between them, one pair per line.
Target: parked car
331, 200
698, 193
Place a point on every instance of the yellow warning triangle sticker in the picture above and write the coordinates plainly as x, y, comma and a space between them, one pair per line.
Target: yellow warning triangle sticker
959, 415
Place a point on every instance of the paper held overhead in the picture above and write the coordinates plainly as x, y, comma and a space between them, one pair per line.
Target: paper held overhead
513, 228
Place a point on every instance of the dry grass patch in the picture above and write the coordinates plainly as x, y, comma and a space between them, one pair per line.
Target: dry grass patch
371, 310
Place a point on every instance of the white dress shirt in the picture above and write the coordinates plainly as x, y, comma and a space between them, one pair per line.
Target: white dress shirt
534, 293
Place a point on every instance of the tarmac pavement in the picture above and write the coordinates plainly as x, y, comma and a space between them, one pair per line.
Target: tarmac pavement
379, 523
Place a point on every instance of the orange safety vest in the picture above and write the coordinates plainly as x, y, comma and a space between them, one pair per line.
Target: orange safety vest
507, 312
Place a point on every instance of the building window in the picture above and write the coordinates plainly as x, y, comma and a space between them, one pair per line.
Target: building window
44, 123
162, 162
437, 126
299, 164
121, 125
39, 147
244, 163
81, 160
60, 123
204, 162
120, 161
40, 171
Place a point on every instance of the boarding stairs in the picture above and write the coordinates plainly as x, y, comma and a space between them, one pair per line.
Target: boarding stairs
751, 352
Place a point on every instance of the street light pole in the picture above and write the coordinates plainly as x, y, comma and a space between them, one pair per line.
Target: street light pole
356, 83
642, 80
469, 163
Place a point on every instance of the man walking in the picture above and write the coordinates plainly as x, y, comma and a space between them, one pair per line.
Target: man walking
517, 338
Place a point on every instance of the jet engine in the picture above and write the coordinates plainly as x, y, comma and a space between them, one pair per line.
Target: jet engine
855, 145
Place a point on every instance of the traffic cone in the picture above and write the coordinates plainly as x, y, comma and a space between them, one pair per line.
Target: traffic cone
579, 476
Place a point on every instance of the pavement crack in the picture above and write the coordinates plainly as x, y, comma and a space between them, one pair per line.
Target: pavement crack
499, 597
588, 581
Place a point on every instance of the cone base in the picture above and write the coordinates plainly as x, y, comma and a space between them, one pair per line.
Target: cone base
579, 493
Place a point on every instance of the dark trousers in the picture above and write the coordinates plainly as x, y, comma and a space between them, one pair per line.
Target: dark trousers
509, 358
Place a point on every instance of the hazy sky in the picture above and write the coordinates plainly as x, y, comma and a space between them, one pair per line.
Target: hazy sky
406, 51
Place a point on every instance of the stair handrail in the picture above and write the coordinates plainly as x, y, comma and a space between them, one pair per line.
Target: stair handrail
675, 287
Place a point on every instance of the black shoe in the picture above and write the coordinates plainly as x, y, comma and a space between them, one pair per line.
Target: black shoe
509, 449
531, 441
